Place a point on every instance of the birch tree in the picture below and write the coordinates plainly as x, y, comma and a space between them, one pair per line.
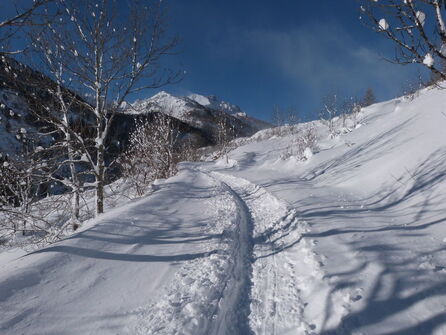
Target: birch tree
107, 50
62, 118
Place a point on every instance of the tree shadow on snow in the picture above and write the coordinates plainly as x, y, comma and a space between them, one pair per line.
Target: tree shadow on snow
409, 276
148, 231
411, 209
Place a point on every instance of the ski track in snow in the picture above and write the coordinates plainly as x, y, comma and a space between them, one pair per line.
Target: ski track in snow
241, 289
281, 258
233, 309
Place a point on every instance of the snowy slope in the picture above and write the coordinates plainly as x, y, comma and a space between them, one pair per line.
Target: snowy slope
374, 200
352, 241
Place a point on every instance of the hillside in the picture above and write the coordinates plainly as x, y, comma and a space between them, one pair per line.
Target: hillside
349, 241
22, 89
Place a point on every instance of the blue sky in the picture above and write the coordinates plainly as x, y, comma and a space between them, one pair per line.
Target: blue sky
290, 53
287, 53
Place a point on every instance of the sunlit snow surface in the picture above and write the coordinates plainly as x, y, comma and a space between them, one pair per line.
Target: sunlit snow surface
351, 241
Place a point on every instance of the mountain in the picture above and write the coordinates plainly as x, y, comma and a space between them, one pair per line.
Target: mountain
202, 112
23, 95
212, 102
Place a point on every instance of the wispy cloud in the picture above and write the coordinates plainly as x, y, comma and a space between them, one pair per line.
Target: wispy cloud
319, 57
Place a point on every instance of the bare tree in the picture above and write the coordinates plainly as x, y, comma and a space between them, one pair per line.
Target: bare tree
329, 112
51, 108
277, 117
188, 149
416, 27
355, 111
280, 118
410, 88
344, 111
107, 50
153, 152
225, 134
292, 116
21, 186
349, 111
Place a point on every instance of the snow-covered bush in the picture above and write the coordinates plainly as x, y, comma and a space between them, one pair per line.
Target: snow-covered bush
304, 144
154, 151
22, 214
341, 115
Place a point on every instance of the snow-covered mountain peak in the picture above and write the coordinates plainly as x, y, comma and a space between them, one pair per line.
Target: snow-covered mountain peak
161, 95
198, 111
201, 99
175, 105
164, 102
212, 101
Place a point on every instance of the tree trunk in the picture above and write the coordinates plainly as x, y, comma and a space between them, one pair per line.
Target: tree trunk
75, 208
100, 181
75, 185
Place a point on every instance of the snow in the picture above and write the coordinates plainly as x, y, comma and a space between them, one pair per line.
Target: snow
383, 25
421, 17
308, 153
428, 60
443, 49
349, 241
201, 99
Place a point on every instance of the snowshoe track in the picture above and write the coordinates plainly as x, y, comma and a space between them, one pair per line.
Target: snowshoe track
275, 228
233, 312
